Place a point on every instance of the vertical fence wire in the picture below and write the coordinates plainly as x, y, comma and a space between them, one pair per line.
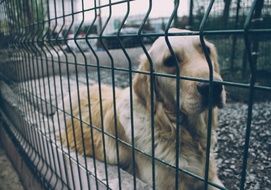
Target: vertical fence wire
63, 107
78, 90
50, 94
88, 94
131, 92
252, 66
113, 90
151, 75
100, 92
56, 99
63, 96
43, 102
177, 108
210, 94
70, 98
78, 94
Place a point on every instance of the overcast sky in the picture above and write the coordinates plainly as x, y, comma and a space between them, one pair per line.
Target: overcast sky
160, 8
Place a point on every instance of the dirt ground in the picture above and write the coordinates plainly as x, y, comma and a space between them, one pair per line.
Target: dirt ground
9, 179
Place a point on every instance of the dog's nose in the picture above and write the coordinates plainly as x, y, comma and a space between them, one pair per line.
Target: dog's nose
203, 89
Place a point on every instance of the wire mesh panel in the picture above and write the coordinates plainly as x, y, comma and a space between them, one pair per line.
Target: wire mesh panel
123, 94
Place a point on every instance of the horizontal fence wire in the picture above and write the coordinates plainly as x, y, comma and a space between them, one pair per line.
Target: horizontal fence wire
74, 68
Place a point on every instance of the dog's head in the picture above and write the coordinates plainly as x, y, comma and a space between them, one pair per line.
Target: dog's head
191, 61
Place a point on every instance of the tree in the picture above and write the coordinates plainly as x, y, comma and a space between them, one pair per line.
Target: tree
226, 11
24, 12
175, 20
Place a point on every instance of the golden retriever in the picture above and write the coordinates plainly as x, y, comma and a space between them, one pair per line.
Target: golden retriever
193, 116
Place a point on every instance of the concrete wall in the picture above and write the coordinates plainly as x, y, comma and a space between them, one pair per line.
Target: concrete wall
26, 66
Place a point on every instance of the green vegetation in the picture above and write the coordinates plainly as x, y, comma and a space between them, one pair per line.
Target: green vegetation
22, 14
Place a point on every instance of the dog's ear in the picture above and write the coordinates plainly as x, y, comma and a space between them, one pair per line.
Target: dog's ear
142, 82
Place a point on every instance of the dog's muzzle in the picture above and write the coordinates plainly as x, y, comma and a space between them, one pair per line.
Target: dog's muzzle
217, 99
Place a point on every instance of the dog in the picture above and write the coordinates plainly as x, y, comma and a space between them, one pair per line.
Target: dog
99, 115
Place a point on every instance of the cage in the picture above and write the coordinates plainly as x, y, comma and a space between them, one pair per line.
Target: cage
86, 103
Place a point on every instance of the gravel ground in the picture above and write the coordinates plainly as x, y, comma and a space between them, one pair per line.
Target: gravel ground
8, 177
231, 135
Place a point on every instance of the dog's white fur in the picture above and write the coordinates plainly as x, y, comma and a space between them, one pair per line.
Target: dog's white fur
193, 116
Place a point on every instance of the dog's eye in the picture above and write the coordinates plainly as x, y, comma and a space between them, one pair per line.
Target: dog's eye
171, 61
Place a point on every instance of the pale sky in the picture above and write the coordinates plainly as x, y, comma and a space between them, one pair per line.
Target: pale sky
160, 8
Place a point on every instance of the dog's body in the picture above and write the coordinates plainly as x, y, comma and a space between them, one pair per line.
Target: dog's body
193, 117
